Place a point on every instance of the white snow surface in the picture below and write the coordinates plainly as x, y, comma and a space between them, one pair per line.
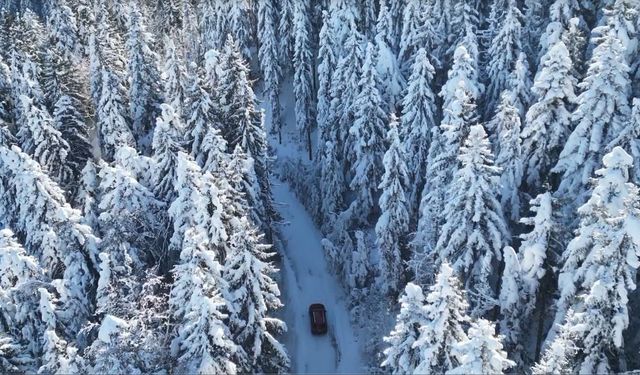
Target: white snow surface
307, 279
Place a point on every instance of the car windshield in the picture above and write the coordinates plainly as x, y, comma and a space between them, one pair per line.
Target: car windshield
318, 317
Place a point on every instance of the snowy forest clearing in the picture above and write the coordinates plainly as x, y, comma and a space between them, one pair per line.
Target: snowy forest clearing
308, 280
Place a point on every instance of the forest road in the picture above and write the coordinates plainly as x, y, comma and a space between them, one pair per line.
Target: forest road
307, 279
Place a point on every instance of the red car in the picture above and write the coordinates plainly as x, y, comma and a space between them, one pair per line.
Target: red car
318, 315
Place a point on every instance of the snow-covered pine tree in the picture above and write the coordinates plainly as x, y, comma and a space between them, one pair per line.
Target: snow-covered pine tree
59, 356
165, 152
534, 22
482, 352
475, 230
36, 209
419, 31
403, 356
344, 89
21, 326
40, 139
63, 29
393, 225
254, 296
240, 26
359, 266
623, 15
419, 112
506, 127
560, 14
73, 128
244, 125
503, 54
366, 141
459, 114
332, 185
24, 82
446, 316
513, 302
538, 254
463, 28
520, 85
548, 120
428, 216
327, 62
603, 107
144, 77
196, 205
628, 139
131, 219
203, 344
173, 75
202, 117
302, 79
286, 33
168, 17
391, 79
269, 60
112, 119
599, 270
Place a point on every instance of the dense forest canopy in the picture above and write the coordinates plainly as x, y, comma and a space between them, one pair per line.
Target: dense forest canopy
472, 167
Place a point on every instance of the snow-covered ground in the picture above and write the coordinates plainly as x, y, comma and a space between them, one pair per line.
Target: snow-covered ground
307, 279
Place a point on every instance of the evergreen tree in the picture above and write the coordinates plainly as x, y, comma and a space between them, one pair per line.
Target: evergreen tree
628, 139
173, 74
238, 22
418, 117
302, 81
513, 303
112, 120
482, 352
391, 79
446, 311
403, 356
459, 114
344, 89
520, 85
144, 90
40, 139
269, 60
475, 231
73, 128
165, 153
202, 117
599, 271
286, 32
63, 29
602, 108
36, 208
506, 125
548, 120
19, 270
327, 62
503, 54
366, 139
58, 356
203, 344
254, 294
331, 183
359, 267
130, 219
538, 255
245, 125
393, 224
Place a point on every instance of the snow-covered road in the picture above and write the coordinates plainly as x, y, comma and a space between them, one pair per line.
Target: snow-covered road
307, 280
